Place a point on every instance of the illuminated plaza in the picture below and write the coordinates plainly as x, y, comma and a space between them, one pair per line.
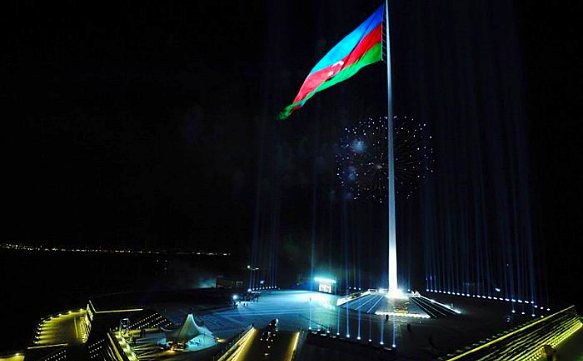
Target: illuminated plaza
310, 326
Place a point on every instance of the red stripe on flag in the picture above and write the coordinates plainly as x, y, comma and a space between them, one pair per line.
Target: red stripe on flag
314, 80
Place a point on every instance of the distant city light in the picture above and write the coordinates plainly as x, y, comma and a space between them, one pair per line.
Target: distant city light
22, 247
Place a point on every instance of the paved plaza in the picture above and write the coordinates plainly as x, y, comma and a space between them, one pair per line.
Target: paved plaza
421, 339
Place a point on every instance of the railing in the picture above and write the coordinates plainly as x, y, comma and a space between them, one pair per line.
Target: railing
121, 348
299, 344
231, 343
127, 310
524, 342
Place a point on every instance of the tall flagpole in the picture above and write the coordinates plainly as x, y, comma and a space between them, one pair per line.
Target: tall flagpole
393, 285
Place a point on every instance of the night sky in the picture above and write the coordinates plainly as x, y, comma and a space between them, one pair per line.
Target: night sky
154, 125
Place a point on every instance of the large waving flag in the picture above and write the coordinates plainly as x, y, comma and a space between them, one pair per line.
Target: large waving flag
358, 49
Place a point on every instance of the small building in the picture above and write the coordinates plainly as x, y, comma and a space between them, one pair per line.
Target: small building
326, 285
223, 282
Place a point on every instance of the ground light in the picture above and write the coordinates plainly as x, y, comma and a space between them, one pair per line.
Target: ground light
397, 294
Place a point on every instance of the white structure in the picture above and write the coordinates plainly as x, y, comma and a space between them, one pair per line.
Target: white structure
190, 336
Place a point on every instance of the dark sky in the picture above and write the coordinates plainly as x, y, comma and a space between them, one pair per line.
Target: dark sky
155, 124
142, 124
130, 123
553, 48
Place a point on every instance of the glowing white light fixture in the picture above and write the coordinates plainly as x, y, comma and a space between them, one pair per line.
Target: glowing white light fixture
324, 280
396, 294
402, 314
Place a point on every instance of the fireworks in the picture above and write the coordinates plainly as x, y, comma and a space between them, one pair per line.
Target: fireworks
362, 158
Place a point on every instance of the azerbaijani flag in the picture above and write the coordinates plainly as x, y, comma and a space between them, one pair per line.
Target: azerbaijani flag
358, 49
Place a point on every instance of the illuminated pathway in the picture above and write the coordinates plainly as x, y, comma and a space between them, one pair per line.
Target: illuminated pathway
258, 347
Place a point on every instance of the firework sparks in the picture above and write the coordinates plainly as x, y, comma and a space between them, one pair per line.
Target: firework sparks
362, 158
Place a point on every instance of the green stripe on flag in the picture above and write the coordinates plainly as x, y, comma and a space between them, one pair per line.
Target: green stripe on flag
370, 57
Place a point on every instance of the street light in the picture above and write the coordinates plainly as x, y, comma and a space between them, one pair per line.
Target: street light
310, 326
251, 279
